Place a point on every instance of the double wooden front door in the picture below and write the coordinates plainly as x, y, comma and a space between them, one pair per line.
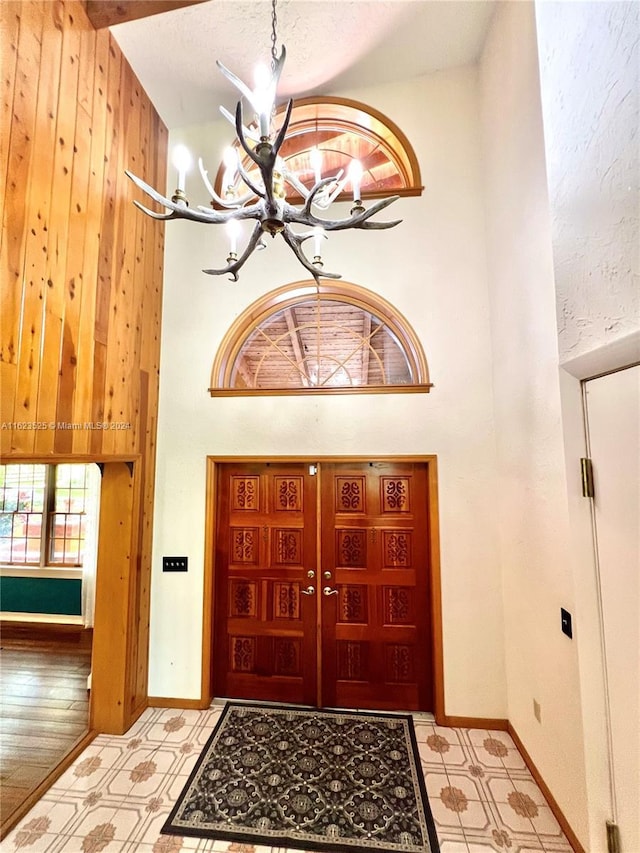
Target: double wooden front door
322, 584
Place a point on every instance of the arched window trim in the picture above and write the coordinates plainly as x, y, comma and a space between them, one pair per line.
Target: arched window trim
288, 296
351, 118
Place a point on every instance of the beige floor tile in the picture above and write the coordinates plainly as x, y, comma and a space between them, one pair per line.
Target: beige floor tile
546, 825
476, 816
453, 846
511, 820
121, 789
499, 787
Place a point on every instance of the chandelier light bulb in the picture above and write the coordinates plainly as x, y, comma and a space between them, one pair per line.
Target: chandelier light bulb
233, 229
263, 97
355, 176
315, 157
181, 158
318, 236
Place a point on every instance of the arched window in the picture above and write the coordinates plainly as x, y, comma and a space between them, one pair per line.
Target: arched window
343, 130
304, 338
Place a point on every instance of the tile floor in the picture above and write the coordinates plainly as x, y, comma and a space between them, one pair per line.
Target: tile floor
117, 794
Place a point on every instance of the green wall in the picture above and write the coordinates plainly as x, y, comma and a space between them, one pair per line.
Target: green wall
60, 596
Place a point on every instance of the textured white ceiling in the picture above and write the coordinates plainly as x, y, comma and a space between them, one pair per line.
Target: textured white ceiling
331, 45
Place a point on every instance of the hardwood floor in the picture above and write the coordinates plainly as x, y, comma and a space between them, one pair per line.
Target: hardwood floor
44, 707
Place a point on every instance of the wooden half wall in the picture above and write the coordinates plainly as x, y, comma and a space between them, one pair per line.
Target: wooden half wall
81, 286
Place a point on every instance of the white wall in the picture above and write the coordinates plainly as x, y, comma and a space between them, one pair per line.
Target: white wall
590, 82
432, 268
590, 77
542, 663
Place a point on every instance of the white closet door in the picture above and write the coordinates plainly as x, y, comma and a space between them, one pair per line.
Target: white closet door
613, 415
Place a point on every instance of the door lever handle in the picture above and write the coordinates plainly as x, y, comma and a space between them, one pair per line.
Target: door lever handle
328, 591
310, 590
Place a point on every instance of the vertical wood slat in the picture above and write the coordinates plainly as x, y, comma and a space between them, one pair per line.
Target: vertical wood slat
68, 220
58, 248
39, 206
83, 400
105, 304
10, 29
21, 126
124, 397
143, 569
75, 293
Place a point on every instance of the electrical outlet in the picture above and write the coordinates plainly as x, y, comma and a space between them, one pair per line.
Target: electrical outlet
174, 564
537, 713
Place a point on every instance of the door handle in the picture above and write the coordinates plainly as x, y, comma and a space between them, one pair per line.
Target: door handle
328, 591
310, 590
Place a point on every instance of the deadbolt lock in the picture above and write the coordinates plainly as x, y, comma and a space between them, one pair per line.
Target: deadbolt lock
327, 575
311, 573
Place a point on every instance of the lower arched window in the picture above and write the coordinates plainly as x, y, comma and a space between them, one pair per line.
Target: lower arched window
305, 338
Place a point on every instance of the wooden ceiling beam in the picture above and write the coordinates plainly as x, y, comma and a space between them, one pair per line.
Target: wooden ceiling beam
106, 13
294, 334
366, 352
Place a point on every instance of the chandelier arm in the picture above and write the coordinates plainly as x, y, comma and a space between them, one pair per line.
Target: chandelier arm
372, 226
283, 129
179, 210
295, 182
153, 214
264, 163
247, 180
253, 211
237, 82
358, 220
314, 191
237, 202
326, 199
233, 268
293, 241
340, 182
249, 134
239, 124
278, 65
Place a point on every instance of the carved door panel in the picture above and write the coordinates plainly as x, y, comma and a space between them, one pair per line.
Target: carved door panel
376, 649
265, 626
364, 641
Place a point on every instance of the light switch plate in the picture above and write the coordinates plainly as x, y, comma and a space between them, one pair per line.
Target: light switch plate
174, 564
565, 621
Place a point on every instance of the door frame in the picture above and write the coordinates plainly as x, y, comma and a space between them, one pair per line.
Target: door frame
434, 580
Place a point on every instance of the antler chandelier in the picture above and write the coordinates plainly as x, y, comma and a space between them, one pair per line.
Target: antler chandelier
264, 199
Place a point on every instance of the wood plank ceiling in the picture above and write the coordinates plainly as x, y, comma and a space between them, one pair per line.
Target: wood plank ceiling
330, 344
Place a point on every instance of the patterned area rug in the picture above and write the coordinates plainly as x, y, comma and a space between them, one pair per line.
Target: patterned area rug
309, 779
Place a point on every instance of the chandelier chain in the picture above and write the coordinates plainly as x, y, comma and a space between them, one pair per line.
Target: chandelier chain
274, 36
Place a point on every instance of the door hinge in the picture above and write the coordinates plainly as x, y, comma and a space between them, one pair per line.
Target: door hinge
586, 471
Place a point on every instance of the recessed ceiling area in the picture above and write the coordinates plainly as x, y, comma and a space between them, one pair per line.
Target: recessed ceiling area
331, 46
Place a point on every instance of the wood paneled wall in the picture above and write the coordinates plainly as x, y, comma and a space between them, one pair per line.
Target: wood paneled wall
81, 267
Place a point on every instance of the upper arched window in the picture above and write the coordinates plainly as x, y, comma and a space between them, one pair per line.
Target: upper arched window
335, 337
344, 130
